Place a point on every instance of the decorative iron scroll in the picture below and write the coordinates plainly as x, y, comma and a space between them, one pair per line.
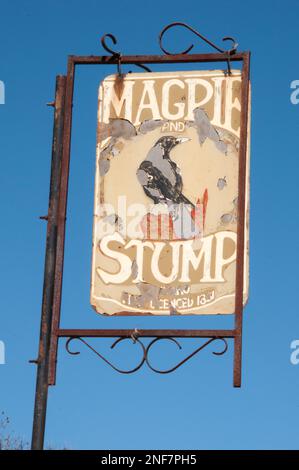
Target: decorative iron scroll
145, 352
117, 54
230, 51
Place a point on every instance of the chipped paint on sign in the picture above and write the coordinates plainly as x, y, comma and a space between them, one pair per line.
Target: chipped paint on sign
166, 192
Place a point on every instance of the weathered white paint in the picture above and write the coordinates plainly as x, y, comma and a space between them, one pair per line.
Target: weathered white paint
123, 104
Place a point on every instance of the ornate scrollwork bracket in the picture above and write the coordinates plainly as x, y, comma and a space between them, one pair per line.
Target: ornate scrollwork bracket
228, 52
117, 54
145, 352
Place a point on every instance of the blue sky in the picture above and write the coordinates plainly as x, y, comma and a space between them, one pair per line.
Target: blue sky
91, 406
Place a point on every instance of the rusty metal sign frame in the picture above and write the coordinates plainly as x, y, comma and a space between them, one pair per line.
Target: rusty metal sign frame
50, 331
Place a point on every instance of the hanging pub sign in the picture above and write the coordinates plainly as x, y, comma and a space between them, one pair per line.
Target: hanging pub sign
166, 194
171, 202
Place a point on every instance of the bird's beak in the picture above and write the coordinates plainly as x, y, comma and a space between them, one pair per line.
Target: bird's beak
181, 140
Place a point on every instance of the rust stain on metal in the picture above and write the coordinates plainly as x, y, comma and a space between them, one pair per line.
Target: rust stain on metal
119, 84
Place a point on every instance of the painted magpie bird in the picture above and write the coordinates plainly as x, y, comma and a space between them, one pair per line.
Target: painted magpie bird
160, 176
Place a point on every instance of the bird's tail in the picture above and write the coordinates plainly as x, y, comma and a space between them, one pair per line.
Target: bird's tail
182, 199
